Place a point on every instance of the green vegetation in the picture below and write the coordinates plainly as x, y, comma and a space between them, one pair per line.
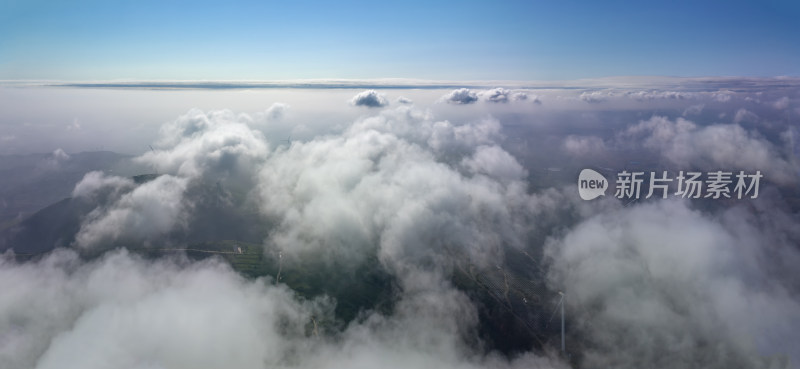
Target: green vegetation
367, 287
143, 178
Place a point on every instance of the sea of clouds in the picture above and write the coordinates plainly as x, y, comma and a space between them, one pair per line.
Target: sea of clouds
425, 189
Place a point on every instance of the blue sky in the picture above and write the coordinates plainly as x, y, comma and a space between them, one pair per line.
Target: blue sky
465, 40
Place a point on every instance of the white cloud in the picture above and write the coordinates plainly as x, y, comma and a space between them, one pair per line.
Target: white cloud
55, 159
596, 96
719, 146
404, 100
496, 95
523, 96
276, 111
782, 103
722, 96
419, 127
217, 144
503, 95
662, 278
96, 182
216, 147
60, 155
496, 163
644, 95
382, 181
148, 211
370, 99
463, 96
694, 110
744, 115
418, 194
127, 312
584, 146
460, 96
74, 126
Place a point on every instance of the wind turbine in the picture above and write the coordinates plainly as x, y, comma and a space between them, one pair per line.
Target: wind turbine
560, 304
153, 165
280, 266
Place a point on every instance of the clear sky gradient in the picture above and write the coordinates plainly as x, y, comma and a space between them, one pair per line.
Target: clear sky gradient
464, 40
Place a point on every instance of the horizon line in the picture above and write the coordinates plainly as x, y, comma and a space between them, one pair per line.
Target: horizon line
412, 83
